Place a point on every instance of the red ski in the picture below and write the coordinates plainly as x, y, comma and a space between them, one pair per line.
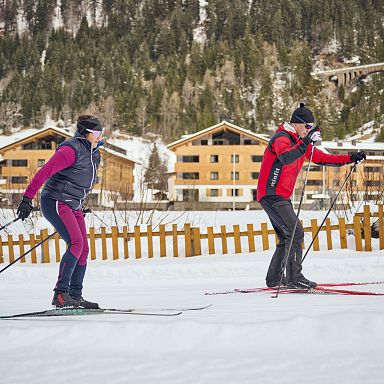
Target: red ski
321, 288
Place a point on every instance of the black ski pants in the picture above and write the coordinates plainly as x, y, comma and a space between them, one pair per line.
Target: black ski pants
283, 219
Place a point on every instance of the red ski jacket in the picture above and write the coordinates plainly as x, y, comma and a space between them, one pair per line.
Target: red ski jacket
283, 159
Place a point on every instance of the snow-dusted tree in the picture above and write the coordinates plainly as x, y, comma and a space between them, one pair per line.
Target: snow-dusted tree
10, 115
155, 174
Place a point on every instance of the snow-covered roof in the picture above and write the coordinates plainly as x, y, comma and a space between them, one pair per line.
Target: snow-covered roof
223, 123
6, 141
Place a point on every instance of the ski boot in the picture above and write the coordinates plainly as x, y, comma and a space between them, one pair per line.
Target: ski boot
302, 283
82, 303
64, 300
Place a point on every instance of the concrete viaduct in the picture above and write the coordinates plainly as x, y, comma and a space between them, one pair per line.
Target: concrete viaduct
348, 75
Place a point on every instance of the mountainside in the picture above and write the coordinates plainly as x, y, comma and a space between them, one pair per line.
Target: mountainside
176, 66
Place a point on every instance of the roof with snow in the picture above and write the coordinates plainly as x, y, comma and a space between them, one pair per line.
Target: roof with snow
214, 128
15, 139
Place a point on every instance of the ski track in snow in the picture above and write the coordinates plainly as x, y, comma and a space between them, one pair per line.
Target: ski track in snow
243, 338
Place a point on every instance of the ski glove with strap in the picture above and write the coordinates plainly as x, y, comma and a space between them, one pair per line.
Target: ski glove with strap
357, 157
24, 208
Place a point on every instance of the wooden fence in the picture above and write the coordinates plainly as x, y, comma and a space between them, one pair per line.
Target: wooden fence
192, 238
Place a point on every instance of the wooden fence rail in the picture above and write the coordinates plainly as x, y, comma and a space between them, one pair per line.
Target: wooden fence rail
193, 239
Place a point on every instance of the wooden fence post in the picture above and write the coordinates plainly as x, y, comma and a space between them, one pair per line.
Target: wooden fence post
45, 246
92, 243
11, 252
150, 241
187, 240
343, 233
1, 251
21, 247
196, 241
115, 243
329, 232
224, 244
137, 237
236, 238
32, 243
251, 238
175, 241
104, 243
163, 245
57, 248
125, 242
211, 241
367, 228
314, 228
264, 236
381, 227
357, 231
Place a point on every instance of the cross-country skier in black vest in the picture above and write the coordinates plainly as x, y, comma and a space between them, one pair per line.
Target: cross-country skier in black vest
282, 161
69, 176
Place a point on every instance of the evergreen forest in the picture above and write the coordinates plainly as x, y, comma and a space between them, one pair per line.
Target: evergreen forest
173, 67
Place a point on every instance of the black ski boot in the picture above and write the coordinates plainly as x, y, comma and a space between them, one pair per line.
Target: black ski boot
82, 303
301, 283
64, 300
275, 283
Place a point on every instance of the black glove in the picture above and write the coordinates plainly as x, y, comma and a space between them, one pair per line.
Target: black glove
357, 157
313, 135
24, 208
85, 210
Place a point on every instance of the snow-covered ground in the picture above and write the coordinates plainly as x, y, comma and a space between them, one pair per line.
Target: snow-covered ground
242, 338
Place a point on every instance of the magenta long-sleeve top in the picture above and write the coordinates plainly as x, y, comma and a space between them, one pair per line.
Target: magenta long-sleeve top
64, 157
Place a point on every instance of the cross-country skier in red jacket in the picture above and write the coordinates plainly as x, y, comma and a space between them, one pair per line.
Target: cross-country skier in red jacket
282, 161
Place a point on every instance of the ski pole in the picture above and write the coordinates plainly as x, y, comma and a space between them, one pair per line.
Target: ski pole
26, 253
17, 218
8, 224
286, 256
329, 210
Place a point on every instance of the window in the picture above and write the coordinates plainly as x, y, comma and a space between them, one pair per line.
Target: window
19, 163
234, 158
256, 158
315, 182
372, 183
254, 194
214, 175
214, 192
255, 175
235, 192
19, 179
214, 158
314, 168
190, 195
40, 162
204, 142
234, 175
190, 159
190, 175
372, 169
226, 137
247, 141
38, 145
